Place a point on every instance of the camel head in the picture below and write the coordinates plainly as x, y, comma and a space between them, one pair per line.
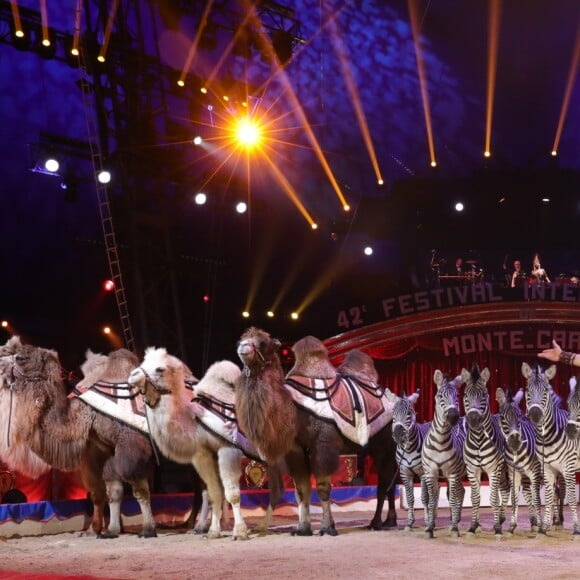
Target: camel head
360, 365
257, 349
159, 374
311, 359
37, 373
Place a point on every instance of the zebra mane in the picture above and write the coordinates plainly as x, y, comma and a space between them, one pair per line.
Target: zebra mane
475, 373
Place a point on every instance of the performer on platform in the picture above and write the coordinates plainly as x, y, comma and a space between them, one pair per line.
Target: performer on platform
518, 275
556, 354
538, 273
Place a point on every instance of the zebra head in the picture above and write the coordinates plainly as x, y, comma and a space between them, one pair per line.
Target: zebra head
511, 417
475, 396
404, 417
447, 398
539, 392
573, 425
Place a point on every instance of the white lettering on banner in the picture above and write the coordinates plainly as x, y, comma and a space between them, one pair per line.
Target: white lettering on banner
510, 340
439, 298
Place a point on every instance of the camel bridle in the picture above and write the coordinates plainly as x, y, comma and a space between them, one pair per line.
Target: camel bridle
13, 378
158, 388
260, 366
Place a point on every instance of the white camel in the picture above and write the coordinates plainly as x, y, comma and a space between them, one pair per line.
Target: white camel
187, 432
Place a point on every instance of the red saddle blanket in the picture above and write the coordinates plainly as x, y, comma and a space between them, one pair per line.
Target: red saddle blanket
119, 401
359, 409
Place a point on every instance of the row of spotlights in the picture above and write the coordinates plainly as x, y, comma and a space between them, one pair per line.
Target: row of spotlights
52, 165
201, 199
270, 314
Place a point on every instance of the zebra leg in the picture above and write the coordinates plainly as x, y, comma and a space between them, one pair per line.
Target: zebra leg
456, 495
430, 506
410, 495
515, 481
571, 498
495, 481
549, 482
560, 491
436, 488
474, 481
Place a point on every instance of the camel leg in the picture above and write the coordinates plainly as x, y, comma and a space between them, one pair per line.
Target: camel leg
276, 486
202, 527
142, 494
298, 468
230, 467
115, 497
206, 465
323, 487
91, 476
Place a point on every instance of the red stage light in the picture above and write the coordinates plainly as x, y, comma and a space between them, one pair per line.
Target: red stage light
109, 285
206, 298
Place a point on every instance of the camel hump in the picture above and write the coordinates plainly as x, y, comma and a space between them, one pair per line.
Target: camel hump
219, 380
311, 359
360, 365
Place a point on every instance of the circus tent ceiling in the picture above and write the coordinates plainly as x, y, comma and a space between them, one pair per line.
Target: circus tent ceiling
352, 89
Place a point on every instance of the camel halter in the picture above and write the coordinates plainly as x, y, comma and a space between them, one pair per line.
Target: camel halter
12, 387
248, 371
161, 391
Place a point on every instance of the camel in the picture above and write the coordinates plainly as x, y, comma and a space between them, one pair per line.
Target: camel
70, 435
14, 453
188, 432
281, 429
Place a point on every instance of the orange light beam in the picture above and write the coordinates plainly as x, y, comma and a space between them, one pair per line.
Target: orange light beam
77, 29
16, 18
340, 50
193, 50
415, 26
289, 190
300, 112
569, 87
108, 30
493, 42
321, 284
44, 22
226, 52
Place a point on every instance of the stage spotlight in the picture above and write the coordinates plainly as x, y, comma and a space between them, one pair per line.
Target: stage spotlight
245, 314
200, 198
487, 154
241, 207
104, 176
380, 182
247, 132
108, 285
294, 316
554, 153
270, 314
433, 163
4, 324
51, 165
314, 226
106, 330
197, 140
459, 206
368, 251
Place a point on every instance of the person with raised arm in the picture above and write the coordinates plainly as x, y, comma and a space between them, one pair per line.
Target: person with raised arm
556, 354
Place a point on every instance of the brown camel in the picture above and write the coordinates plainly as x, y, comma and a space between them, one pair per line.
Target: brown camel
14, 453
279, 428
69, 434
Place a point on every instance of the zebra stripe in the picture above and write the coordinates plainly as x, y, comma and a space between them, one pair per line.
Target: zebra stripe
524, 468
442, 453
409, 436
483, 448
558, 453
573, 424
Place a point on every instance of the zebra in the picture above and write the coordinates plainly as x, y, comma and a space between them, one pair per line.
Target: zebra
558, 453
409, 436
524, 467
483, 448
442, 452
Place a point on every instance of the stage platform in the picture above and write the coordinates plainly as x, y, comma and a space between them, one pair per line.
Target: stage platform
45, 517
